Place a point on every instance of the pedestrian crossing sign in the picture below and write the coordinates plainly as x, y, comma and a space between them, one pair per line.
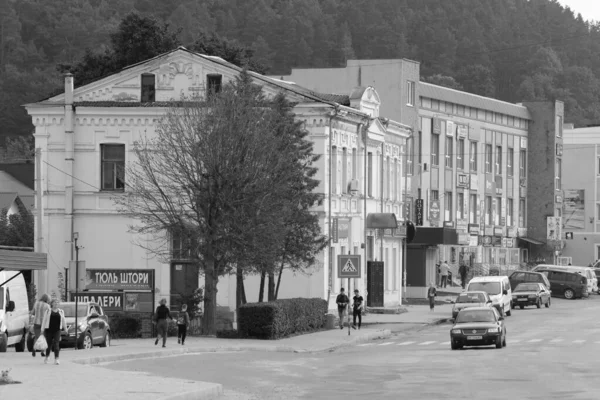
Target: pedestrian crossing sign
349, 266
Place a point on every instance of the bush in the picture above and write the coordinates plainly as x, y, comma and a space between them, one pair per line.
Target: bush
125, 327
281, 318
228, 334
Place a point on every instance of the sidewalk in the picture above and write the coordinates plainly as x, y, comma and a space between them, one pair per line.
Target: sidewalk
80, 375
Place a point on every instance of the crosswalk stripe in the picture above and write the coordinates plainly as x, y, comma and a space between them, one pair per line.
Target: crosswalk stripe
444, 343
405, 343
425, 343
578, 341
386, 344
366, 344
534, 340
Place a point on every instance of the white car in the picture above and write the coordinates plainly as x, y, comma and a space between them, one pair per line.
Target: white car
14, 311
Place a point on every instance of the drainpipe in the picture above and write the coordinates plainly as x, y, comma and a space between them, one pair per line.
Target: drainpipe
69, 159
382, 211
365, 128
333, 114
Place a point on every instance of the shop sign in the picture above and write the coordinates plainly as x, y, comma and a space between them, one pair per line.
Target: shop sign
107, 300
119, 279
474, 228
487, 240
464, 238
448, 224
503, 242
343, 226
434, 210
449, 128
334, 230
522, 232
498, 231
419, 212
510, 242
462, 181
462, 225
488, 231
473, 240
462, 131
437, 126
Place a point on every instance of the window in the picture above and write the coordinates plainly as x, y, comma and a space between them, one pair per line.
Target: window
334, 170
113, 166
344, 170
598, 213
460, 206
559, 126
409, 155
510, 155
498, 160
410, 93
460, 154
522, 212
473, 209
498, 215
523, 164
488, 210
488, 158
448, 152
435, 195
558, 173
435, 149
181, 246
509, 212
473, 156
148, 88
354, 163
370, 174
448, 206
213, 83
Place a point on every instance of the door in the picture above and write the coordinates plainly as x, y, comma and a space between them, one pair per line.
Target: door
375, 284
557, 282
184, 281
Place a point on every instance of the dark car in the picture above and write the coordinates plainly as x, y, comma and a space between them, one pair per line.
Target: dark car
531, 294
527, 277
478, 326
471, 299
571, 285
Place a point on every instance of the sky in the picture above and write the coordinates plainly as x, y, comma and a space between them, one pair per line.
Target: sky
589, 9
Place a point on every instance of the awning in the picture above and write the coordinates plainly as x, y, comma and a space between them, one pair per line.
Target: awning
530, 240
381, 221
14, 260
432, 236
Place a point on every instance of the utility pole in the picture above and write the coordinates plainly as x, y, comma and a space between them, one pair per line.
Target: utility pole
75, 237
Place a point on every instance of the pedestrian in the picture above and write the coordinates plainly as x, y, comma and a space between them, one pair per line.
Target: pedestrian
162, 313
39, 309
183, 320
53, 324
438, 274
342, 303
444, 268
431, 293
357, 307
462, 271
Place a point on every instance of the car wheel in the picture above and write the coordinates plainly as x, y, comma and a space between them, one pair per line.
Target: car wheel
521, 306
539, 303
569, 294
548, 303
85, 342
499, 343
20, 347
3, 342
106, 342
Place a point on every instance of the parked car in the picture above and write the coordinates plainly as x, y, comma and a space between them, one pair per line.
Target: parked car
470, 299
14, 311
497, 287
592, 281
531, 294
478, 326
571, 285
527, 277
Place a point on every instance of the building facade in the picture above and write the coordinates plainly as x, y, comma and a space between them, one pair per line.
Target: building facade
469, 169
86, 137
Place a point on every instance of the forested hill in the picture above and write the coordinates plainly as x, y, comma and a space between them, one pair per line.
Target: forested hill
508, 49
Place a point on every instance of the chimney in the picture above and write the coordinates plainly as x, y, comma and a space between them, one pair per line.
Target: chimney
68, 88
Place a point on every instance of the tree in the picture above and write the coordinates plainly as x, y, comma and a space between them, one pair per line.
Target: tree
218, 174
17, 229
229, 50
20, 148
477, 79
445, 81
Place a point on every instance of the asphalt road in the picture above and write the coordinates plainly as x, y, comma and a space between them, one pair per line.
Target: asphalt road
551, 353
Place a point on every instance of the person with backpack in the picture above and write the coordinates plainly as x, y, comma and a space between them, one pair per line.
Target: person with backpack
183, 321
162, 313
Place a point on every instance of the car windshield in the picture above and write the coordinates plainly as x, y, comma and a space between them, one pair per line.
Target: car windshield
69, 310
527, 287
492, 288
467, 315
471, 298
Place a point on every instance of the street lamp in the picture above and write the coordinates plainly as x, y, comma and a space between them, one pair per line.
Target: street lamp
75, 237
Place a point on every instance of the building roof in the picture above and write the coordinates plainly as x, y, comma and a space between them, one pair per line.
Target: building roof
8, 184
22, 172
472, 100
7, 199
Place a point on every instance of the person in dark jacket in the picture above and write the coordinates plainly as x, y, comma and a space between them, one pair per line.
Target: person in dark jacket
431, 293
183, 320
162, 313
462, 271
342, 302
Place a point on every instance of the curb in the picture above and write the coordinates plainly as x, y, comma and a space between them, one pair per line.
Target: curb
383, 334
436, 322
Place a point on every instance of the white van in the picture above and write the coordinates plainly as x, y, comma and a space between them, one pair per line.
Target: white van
497, 287
592, 279
14, 311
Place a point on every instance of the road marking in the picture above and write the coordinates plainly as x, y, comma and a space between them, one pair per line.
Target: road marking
366, 344
386, 344
405, 343
444, 343
534, 340
514, 341
578, 341
556, 340
425, 343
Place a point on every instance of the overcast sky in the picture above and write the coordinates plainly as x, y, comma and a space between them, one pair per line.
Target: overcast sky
589, 9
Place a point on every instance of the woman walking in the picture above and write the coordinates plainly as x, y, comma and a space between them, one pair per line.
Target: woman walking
53, 324
39, 310
183, 320
431, 293
162, 313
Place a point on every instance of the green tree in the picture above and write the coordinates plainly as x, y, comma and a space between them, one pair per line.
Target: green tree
445, 81
229, 50
477, 79
16, 229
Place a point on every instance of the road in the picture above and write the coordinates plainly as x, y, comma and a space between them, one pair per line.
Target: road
551, 353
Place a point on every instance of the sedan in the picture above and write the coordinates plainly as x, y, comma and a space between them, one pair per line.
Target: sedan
471, 299
531, 294
478, 326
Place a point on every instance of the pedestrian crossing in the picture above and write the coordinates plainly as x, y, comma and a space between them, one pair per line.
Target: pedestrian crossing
511, 342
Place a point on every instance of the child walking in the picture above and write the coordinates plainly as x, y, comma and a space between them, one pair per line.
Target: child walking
183, 320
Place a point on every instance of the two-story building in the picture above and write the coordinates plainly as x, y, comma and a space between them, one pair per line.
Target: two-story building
85, 137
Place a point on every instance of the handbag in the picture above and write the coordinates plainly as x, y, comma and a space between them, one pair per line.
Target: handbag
40, 344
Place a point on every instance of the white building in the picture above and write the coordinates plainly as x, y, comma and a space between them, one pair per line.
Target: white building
86, 136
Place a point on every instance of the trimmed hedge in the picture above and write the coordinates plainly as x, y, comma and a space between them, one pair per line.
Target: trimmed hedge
281, 318
125, 327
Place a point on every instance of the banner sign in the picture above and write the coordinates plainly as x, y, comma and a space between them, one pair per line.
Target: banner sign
334, 230
419, 212
108, 301
343, 228
434, 210
119, 279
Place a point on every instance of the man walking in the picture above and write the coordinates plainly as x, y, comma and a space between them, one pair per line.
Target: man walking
445, 268
342, 302
462, 271
357, 306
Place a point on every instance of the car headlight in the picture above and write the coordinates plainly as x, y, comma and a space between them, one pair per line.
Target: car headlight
493, 330
455, 330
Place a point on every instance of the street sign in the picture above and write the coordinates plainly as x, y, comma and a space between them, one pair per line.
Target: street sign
569, 235
349, 266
